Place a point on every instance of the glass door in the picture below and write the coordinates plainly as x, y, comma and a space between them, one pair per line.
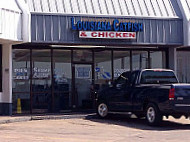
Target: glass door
83, 86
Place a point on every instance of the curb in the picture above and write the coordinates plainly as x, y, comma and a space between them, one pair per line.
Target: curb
12, 120
48, 117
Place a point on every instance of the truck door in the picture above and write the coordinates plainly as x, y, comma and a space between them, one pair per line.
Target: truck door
119, 99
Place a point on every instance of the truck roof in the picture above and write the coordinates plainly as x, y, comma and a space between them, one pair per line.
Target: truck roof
156, 69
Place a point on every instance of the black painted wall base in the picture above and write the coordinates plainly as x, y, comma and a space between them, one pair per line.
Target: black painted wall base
6, 109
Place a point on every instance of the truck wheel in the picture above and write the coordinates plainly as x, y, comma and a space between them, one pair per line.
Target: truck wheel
153, 115
102, 110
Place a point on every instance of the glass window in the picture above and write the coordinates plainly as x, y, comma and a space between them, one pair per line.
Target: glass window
62, 79
21, 70
121, 61
103, 70
82, 55
41, 80
183, 67
139, 60
157, 59
158, 77
21, 81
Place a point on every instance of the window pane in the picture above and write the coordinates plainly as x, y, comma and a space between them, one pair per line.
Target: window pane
121, 62
21, 70
82, 55
183, 67
157, 59
139, 60
21, 82
62, 79
41, 78
41, 81
103, 71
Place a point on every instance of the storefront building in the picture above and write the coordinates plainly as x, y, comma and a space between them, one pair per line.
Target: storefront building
10, 33
76, 47
183, 52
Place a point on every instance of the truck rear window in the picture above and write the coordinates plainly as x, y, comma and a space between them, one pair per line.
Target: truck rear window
158, 77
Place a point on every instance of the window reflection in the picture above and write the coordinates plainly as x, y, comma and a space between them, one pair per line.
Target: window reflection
62, 79
139, 60
103, 71
121, 62
21, 82
157, 59
41, 81
82, 55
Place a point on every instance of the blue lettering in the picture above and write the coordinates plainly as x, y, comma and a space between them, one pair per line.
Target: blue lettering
115, 23
129, 26
104, 26
140, 25
92, 26
73, 24
84, 25
125, 26
79, 25
135, 27
108, 26
95, 26
99, 26
121, 27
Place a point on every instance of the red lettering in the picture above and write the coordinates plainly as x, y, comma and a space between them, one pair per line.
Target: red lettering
101, 34
94, 34
118, 35
106, 34
125, 34
111, 34
132, 35
83, 34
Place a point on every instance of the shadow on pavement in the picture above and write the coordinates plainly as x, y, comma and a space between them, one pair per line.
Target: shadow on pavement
124, 120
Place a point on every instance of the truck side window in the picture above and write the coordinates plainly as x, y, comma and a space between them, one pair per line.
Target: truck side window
122, 80
133, 78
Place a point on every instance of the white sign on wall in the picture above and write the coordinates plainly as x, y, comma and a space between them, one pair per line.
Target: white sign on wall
107, 34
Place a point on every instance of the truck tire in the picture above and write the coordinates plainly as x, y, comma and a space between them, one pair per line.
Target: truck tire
153, 115
102, 110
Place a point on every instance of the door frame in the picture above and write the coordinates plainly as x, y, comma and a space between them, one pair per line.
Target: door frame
74, 95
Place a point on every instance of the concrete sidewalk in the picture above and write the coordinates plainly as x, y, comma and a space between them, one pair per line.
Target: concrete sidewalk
12, 119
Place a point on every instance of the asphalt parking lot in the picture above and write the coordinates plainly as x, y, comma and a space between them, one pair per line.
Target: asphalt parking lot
92, 129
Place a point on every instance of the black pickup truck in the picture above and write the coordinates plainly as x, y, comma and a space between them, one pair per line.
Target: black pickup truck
149, 93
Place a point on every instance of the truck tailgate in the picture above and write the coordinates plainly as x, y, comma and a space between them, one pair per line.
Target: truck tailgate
182, 97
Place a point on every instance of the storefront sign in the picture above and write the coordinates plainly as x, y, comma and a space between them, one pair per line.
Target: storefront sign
41, 73
21, 74
116, 25
83, 72
109, 35
115, 29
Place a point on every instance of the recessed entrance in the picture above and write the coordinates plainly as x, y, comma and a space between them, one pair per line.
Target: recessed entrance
83, 85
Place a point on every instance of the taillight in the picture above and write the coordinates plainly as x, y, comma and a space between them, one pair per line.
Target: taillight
172, 94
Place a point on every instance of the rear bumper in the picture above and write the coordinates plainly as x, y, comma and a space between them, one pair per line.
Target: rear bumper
172, 108
177, 109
